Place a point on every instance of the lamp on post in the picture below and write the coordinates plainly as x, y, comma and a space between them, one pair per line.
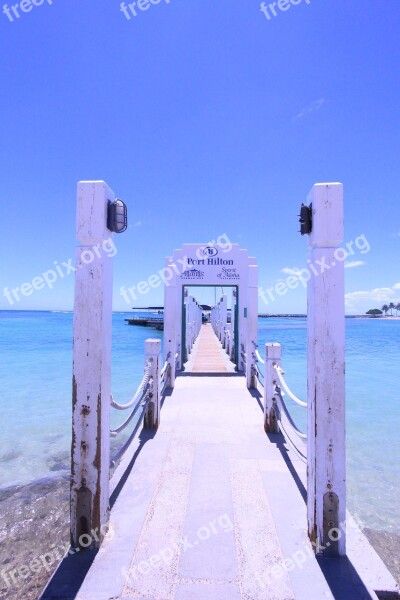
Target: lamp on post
117, 216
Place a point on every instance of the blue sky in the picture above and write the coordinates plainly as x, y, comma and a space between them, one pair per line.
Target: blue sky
206, 118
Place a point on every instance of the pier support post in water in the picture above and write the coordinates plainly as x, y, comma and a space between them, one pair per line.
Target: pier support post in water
91, 366
326, 468
273, 356
152, 355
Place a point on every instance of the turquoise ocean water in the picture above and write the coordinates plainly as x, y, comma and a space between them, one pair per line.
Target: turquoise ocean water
35, 384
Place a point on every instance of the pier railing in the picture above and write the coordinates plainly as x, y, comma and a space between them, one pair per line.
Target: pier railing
146, 402
219, 318
194, 317
277, 417
323, 448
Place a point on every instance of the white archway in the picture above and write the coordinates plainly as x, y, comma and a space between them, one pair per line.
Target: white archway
219, 265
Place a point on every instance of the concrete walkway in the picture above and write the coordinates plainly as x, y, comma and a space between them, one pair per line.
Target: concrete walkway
210, 510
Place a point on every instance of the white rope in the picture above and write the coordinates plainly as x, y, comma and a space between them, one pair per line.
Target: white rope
257, 373
284, 409
141, 403
164, 370
138, 393
283, 412
258, 357
257, 370
302, 456
280, 374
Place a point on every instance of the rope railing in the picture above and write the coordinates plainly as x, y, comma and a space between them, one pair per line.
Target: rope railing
258, 373
141, 396
165, 370
138, 392
297, 431
164, 386
296, 438
142, 401
269, 374
289, 429
145, 392
257, 356
280, 373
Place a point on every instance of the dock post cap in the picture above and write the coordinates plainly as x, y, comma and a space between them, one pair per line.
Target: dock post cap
152, 346
273, 351
326, 200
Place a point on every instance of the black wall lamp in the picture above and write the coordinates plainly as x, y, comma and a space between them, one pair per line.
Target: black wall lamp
117, 216
305, 219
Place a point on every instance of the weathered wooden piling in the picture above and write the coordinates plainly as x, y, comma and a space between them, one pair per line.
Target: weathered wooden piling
91, 367
326, 373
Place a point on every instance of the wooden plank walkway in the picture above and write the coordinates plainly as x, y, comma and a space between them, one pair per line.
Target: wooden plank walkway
208, 355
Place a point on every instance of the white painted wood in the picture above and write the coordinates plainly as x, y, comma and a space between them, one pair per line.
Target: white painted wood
252, 322
171, 326
273, 355
153, 354
189, 265
223, 316
326, 368
233, 325
189, 323
91, 366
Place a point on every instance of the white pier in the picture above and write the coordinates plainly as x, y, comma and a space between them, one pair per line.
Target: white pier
217, 494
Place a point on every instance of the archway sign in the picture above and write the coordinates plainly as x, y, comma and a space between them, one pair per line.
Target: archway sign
219, 264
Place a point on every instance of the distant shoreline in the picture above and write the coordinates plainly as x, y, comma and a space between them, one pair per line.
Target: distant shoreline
260, 315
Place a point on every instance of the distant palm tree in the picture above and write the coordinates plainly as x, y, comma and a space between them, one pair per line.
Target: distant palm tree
385, 309
391, 307
397, 308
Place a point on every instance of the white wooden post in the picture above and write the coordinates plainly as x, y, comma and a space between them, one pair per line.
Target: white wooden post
214, 318
91, 367
187, 333
152, 355
171, 325
251, 324
273, 355
233, 332
223, 317
326, 498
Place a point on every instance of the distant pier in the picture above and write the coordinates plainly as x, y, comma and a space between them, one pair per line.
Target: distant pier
150, 316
